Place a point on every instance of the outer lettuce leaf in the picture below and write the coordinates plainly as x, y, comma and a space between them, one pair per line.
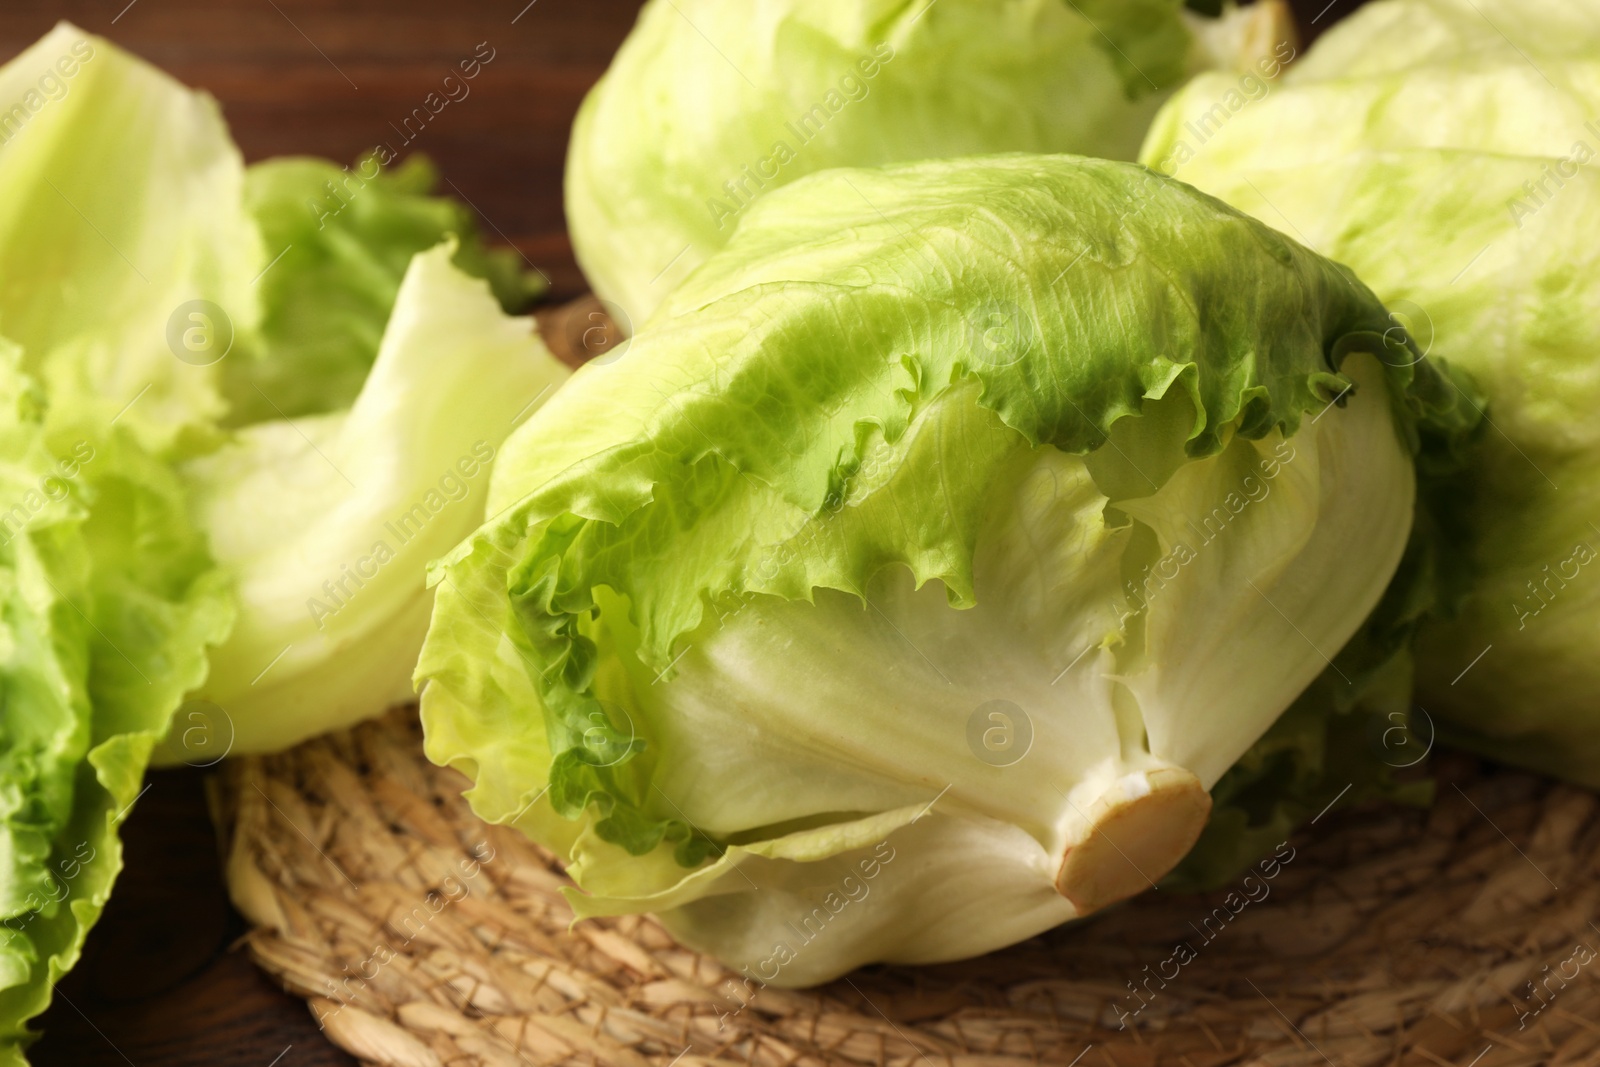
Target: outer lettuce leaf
1461, 132
1354, 736
706, 108
120, 200
125, 202
111, 600
46, 728
1347, 739
664, 656
339, 241
325, 523
1422, 36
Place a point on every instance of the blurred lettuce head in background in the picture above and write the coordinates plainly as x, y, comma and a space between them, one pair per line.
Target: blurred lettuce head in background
706, 107
1446, 150
855, 571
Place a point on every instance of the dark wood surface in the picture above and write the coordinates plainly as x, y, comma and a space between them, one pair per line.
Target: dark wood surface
161, 983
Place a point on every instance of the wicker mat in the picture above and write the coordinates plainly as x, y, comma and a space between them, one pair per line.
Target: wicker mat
421, 936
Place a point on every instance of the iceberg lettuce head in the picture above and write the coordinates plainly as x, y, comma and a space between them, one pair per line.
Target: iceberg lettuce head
119, 198
707, 107
1448, 151
910, 581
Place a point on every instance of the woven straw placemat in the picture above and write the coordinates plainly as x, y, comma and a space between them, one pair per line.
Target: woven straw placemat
421, 936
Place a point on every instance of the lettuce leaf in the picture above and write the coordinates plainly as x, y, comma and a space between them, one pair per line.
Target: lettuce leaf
325, 523
121, 203
706, 109
166, 532
1445, 150
338, 242
110, 599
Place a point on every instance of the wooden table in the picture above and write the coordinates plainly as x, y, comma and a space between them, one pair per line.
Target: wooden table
159, 984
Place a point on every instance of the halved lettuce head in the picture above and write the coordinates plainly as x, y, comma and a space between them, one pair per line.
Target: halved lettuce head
119, 199
708, 107
945, 538
137, 261
1447, 151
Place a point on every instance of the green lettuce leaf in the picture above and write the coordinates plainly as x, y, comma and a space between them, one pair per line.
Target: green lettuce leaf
706, 109
122, 207
325, 523
339, 241
142, 291
45, 732
110, 601
1445, 151
120, 202
886, 466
